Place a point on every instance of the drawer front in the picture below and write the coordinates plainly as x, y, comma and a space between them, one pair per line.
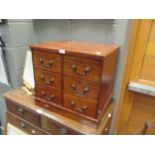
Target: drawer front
23, 125
81, 88
56, 128
50, 79
48, 94
83, 106
87, 69
23, 113
107, 125
47, 61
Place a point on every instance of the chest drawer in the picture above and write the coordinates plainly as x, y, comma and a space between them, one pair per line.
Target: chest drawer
48, 78
56, 127
87, 69
81, 105
24, 126
23, 113
49, 94
48, 61
107, 124
81, 88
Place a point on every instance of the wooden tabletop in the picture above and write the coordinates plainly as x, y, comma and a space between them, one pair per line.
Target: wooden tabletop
98, 50
20, 97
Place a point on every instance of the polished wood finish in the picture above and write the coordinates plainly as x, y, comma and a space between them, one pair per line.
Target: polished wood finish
22, 112
135, 109
77, 48
51, 122
50, 79
84, 106
84, 74
24, 125
48, 94
83, 68
81, 88
47, 61
56, 127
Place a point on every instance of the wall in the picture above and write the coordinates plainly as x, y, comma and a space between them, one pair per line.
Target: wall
19, 34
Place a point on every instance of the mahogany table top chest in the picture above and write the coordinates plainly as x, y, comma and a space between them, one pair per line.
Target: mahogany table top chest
74, 79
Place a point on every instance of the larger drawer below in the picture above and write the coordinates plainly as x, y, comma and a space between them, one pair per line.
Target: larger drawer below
24, 113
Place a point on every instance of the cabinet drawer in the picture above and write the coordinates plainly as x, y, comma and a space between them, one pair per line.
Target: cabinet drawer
48, 78
48, 61
87, 69
82, 105
23, 125
56, 127
48, 94
81, 88
107, 124
23, 113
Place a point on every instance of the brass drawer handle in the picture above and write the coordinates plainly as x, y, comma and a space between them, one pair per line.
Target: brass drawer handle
49, 98
43, 94
63, 131
41, 60
72, 103
73, 86
49, 64
47, 82
22, 125
83, 109
20, 110
85, 90
51, 81
86, 70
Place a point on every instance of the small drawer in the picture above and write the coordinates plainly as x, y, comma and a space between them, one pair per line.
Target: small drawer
24, 126
48, 61
87, 69
48, 94
20, 111
56, 127
81, 88
50, 79
107, 124
85, 106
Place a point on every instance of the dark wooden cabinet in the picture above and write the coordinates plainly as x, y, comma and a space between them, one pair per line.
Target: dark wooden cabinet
74, 78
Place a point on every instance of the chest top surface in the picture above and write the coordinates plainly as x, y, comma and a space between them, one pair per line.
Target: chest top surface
98, 50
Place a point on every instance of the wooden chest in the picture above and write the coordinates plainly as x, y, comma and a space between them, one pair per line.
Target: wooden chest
74, 78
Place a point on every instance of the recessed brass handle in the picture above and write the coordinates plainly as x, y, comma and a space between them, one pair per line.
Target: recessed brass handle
20, 110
